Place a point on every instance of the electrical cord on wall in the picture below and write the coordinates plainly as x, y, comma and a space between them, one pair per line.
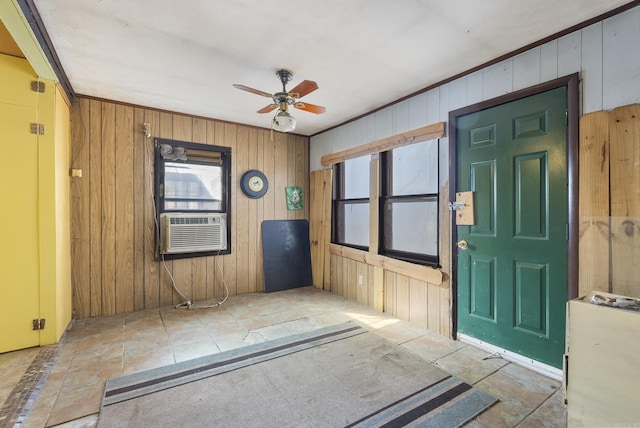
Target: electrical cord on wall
187, 302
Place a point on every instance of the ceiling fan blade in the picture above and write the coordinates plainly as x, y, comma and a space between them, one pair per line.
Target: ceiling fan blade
267, 109
303, 88
253, 91
311, 108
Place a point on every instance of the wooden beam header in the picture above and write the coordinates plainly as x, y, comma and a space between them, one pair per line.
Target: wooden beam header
429, 132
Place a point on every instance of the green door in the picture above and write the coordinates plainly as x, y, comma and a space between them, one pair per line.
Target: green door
512, 278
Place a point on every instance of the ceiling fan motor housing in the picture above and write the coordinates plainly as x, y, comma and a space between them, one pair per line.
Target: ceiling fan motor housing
285, 77
282, 97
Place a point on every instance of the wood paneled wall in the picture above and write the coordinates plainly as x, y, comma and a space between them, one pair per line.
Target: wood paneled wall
320, 183
408, 291
610, 201
114, 269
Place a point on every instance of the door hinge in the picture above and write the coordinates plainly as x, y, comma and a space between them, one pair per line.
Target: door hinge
37, 86
37, 128
38, 323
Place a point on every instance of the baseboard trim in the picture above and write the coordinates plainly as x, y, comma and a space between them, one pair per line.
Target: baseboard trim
536, 366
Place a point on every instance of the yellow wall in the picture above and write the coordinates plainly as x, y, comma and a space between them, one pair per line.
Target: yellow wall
47, 213
53, 210
63, 213
19, 259
36, 260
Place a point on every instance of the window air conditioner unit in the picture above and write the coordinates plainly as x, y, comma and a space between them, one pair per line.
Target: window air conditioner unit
193, 232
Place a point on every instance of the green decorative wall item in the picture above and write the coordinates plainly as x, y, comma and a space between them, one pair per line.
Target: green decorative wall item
294, 198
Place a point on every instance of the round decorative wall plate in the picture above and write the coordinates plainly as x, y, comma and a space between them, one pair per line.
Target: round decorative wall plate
254, 184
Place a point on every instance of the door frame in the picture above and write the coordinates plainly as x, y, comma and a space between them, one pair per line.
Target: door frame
573, 122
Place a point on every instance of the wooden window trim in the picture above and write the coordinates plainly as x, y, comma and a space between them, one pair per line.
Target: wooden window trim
429, 132
420, 272
371, 257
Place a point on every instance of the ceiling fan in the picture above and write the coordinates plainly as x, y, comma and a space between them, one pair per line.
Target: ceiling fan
283, 121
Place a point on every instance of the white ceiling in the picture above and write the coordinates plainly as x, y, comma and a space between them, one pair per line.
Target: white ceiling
184, 55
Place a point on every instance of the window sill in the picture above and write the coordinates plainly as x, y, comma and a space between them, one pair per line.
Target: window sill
416, 271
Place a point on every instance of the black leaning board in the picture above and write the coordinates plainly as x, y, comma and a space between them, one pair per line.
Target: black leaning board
286, 252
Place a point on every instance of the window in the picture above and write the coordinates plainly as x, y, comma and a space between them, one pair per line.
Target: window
351, 203
409, 203
189, 187
192, 189
406, 200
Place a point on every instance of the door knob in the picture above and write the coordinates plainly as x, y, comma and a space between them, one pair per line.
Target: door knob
462, 244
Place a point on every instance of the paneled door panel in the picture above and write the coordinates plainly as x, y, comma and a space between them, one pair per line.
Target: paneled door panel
482, 288
19, 291
512, 277
483, 180
531, 196
19, 218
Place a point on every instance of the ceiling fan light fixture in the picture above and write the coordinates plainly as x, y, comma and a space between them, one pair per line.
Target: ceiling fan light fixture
283, 122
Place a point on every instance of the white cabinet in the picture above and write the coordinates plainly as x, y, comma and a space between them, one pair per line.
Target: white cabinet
602, 366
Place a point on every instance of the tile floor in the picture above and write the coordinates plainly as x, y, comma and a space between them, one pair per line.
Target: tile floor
97, 349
